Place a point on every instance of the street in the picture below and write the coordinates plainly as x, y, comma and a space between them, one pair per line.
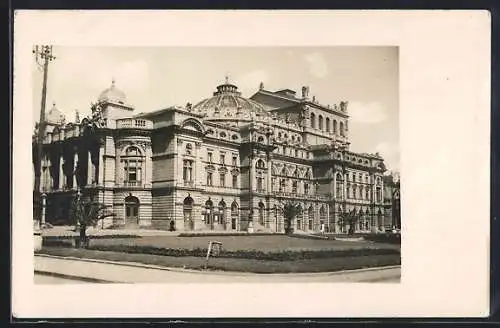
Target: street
49, 280
133, 273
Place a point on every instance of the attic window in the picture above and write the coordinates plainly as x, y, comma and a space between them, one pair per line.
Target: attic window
234, 137
222, 134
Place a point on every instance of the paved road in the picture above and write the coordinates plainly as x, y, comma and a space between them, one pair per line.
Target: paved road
134, 274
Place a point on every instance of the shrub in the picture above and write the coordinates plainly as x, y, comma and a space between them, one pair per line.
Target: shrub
245, 254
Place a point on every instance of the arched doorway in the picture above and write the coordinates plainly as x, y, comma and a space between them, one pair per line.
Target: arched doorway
131, 211
208, 216
188, 213
220, 216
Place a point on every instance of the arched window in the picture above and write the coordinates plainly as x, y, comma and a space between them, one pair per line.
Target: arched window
327, 124
188, 213
339, 186
234, 215
335, 127
342, 129
261, 213
313, 121
322, 215
260, 164
354, 191
320, 122
132, 162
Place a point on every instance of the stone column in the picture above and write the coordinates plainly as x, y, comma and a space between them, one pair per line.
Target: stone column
269, 174
198, 177
75, 161
89, 168
100, 166
61, 172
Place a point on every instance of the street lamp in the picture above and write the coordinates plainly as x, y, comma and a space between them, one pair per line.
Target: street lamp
44, 206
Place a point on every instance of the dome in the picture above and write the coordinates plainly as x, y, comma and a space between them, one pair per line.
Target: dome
54, 116
227, 104
113, 95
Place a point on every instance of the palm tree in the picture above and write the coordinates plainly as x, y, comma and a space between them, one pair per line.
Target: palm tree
290, 211
85, 213
349, 218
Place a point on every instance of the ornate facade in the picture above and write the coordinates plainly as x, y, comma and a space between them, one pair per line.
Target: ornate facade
219, 164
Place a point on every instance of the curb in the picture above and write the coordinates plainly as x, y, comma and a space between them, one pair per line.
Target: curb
157, 267
71, 277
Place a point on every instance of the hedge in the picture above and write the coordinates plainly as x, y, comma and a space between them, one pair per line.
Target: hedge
245, 254
214, 234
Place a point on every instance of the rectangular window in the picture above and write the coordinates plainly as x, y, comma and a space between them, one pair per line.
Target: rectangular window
260, 187
306, 188
209, 157
209, 179
235, 181
223, 158
294, 187
222, 180
273, 183
235, 161
187, 173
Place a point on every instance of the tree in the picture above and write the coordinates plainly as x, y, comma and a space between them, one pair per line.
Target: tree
85, 213
349, 218
290, 211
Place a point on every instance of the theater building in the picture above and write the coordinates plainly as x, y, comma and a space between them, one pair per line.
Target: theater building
224, 163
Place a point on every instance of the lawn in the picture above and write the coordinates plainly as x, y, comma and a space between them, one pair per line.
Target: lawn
236, 243
234, 264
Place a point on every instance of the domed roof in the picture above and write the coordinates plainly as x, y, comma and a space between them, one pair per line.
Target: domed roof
227, 104
54, 116
113, 94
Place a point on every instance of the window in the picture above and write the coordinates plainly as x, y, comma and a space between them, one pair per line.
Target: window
313, 121
223, 158
209, 179
273, 184
187, 172
306, 188
222, 180
327, 124
360, 179
296, 153
341, 129
354, 191
282, 185
339, 186
260, 164
260, 184
209, 156
320, 122
132, 164
235, 181
235, 160
367, 191
348, 190
335, 127
261, 213
294, 187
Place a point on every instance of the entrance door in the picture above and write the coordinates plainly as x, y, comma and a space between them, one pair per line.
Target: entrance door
131, 211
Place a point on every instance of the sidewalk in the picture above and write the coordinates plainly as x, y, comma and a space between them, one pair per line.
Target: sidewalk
138, 273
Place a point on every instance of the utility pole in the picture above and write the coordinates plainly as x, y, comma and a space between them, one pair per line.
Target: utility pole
42, 53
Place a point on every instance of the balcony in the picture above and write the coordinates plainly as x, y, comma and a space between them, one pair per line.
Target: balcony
132, 123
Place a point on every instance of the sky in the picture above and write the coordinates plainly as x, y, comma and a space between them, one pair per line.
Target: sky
158, 77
